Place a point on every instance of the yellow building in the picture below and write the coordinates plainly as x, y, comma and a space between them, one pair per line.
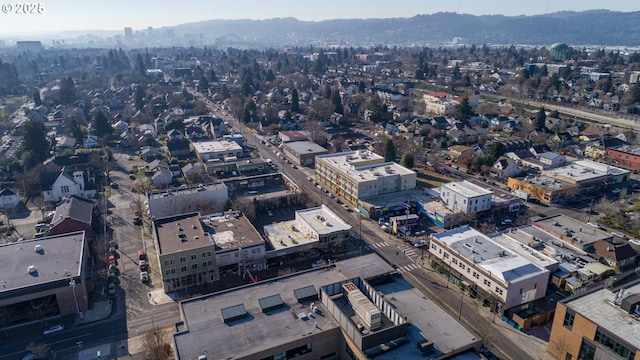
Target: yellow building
543, 188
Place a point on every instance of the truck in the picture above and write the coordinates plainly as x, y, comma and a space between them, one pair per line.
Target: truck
522, 194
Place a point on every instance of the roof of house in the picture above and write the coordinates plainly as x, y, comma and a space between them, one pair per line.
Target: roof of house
74, 207
7, 192
614, 251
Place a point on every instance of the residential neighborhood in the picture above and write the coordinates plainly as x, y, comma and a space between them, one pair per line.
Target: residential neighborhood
455, 202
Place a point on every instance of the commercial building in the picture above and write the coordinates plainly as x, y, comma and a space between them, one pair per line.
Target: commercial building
571, 232
312, 230
489, 271
239, 248
217, 150
195, 250
361, 174
322, 314
303, 153
51, 272
182, 200
601, 323
466, 196
186, 253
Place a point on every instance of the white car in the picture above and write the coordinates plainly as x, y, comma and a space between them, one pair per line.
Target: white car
594, 224
317, 263
506, 222
619, 234
53, 330
616, 191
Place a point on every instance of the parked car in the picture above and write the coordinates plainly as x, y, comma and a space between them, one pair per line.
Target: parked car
144, 276
53, 330
318, 262
506, 222
112, 289
619, 234
144, 266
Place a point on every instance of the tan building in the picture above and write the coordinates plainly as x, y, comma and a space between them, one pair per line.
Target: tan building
186, 254
599, 324
361, 174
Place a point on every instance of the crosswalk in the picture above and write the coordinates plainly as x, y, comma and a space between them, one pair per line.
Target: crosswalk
410, 251
406, 268
380, 244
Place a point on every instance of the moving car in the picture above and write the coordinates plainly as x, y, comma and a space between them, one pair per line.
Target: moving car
53, 330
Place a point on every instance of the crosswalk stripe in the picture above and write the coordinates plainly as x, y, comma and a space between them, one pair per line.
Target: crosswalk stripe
407, 268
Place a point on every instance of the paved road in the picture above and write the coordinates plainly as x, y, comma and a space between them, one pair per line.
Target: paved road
410, 263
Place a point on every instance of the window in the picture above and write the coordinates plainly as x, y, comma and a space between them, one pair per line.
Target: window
183, 269
183, 259
568, 320
455, 261
64, 189
204, 254
193, 256
194, 266
168, 262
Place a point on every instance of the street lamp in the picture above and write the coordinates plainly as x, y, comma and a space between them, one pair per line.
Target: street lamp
72, 283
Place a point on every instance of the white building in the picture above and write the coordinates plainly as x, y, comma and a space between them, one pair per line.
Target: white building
9, 199
217, 150
494, 272
176, 201
67, 183
466, 197
355, 175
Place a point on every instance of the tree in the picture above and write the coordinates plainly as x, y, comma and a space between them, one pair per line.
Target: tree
39, 350
224, 92
139, 98
67, 91
76, 130
203, 84
337, 102
407, 160
174, 124
156, 345
101, 126
464, 111
37, 101
295, 101
249, 110
35, 141
389, 151
540, 119
378, 109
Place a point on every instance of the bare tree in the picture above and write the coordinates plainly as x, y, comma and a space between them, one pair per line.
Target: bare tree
560, 346
156, 344
39, 350
39, 308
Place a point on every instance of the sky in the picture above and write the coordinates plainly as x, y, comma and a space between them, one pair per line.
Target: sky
63, 15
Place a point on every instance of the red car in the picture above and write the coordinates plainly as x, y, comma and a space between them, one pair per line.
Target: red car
112, 259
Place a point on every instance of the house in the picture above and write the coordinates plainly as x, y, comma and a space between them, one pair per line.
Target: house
460, 151
149, 154
505, 168
90, 142
194, 132
73, 214
162, 177
193, 170
65, 143
179, 148
561, 139
536, 150
617, 255
67, 182
9, 199
551, 159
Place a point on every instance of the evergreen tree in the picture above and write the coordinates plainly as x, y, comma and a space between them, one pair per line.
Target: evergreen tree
389, 151
101, 126
203, 84
295, 101
464, 111
139, 98
211, 75
67, 91
407, 160
224, 92
35, 141
249, 110
378, 109
76, 130
361, 87
337, 102
540, 119
635, 94
37, 101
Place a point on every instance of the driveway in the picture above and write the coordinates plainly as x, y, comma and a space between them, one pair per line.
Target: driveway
24, 218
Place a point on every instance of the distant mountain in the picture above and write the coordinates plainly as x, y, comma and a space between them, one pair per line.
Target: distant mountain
594, 27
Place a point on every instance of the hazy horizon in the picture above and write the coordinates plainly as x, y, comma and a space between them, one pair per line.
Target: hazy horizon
115, 15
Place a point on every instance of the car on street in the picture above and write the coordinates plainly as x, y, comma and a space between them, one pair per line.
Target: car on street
53, 330
619, 234
113, 185
112, 289
419, 244
112, 260
144, 276
506, 222
318, 262
132, 177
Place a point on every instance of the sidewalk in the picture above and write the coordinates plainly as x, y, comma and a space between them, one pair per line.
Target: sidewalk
100, 310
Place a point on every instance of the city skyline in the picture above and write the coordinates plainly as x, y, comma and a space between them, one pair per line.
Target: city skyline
74, 15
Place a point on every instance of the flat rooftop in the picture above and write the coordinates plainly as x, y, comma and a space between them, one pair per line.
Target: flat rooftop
547, 182
208, 333
599, 307
582, 171
530, 254
500, 261
363, 165
304, 147
571, 231
532, 235
285, 236
216, 146
466, 188
179, 233
230, 230
322, 220
61, 257
187, 190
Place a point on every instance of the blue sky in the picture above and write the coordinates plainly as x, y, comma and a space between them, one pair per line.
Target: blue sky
62, 15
